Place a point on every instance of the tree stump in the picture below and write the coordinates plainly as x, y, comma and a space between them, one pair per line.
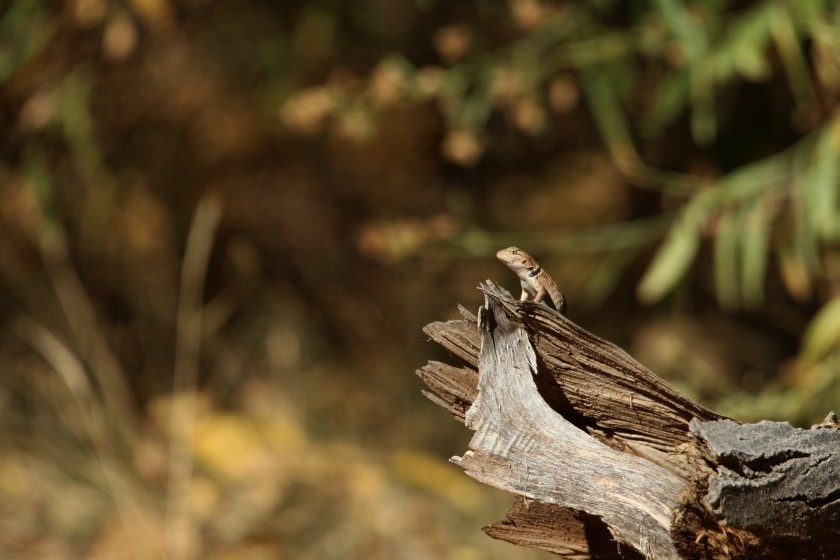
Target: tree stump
609, 461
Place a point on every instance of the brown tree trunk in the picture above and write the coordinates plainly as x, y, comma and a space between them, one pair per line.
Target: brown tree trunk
609, 461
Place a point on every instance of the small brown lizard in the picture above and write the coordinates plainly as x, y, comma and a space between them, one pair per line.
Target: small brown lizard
534, 280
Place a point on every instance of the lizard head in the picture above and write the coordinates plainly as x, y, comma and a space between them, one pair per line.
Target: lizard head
516, 259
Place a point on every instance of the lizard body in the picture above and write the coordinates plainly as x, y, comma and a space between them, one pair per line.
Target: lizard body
535, 281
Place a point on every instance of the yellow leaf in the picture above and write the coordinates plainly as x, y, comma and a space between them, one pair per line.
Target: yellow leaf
823, 332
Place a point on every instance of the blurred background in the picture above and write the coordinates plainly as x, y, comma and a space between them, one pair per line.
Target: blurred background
223, 225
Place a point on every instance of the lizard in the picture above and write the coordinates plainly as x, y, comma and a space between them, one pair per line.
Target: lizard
535, 281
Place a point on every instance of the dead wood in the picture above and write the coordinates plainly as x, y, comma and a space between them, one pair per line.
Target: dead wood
609, 461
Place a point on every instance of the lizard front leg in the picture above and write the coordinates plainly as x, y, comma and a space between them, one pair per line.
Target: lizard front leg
527, 290
540, 294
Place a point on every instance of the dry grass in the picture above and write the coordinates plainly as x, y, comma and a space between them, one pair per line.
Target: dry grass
218, 465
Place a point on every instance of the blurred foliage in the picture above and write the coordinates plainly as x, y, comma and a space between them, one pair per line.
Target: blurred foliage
222, 225
659, 64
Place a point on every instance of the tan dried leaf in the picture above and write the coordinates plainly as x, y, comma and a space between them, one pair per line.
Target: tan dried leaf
453, 42
462, 147
307, 110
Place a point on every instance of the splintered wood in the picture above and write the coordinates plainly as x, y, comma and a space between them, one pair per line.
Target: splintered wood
608, 460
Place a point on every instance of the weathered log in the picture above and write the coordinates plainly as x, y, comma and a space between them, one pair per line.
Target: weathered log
609, 461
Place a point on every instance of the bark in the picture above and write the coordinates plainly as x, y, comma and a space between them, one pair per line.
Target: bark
609, 461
